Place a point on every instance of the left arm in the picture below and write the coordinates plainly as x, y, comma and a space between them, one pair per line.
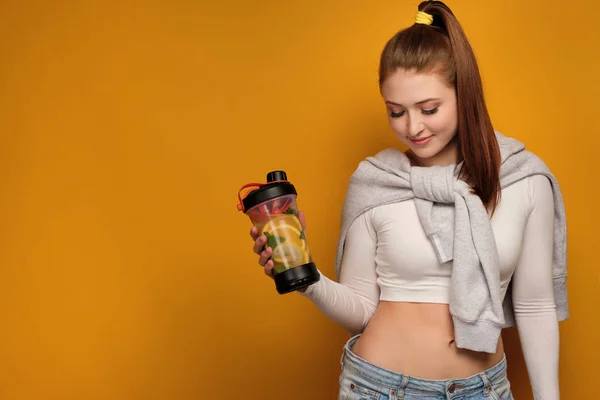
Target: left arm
533, 293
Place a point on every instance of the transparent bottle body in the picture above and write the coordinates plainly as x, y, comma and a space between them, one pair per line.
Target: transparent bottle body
278, 220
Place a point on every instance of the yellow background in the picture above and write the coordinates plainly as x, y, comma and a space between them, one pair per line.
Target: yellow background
126, 129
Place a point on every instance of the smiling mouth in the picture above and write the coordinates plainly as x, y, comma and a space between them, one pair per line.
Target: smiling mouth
422, 141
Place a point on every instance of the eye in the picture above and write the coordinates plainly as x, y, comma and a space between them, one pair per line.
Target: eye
430, 112
396, 114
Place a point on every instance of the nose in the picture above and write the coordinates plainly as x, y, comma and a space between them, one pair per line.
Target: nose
415, 126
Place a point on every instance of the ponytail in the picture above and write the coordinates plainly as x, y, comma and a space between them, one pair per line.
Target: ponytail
440, 43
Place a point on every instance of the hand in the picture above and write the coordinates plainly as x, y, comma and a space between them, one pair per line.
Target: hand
265, 253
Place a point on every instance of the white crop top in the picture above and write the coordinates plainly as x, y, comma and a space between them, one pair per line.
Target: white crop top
387, 256
406, 265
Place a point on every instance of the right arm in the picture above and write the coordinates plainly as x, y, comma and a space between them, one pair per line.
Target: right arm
352, 302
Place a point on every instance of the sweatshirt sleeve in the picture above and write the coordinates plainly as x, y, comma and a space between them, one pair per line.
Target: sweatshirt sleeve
352, 301
533, 293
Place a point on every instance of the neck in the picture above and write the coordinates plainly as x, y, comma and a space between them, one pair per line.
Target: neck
447, 156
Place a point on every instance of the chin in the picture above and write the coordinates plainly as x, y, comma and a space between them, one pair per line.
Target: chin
425, 152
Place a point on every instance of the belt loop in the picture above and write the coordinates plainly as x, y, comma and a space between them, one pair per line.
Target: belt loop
487, 384
402, 387
344, 349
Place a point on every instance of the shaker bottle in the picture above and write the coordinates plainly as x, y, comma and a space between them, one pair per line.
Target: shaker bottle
272, 209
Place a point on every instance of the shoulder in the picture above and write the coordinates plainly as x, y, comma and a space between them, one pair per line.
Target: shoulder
517, 158
533, 192
388, 159
362, 226
539, 192
527, 172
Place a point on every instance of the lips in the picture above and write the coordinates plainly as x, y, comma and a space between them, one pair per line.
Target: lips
421, 141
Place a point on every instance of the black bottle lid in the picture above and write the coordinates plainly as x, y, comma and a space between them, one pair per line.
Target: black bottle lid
277, 185
276, 176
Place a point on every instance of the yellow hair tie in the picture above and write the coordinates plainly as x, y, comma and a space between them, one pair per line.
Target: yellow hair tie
423, 18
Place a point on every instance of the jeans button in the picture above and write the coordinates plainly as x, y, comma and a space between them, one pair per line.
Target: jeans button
452, 388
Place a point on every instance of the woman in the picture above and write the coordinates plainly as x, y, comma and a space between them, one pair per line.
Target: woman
444, 245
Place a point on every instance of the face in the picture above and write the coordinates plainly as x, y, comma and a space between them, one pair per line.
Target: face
422, 112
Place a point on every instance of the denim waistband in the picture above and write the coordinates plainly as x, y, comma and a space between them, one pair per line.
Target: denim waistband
386, 378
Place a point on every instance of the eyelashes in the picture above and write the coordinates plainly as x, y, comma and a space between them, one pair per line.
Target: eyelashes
424, 112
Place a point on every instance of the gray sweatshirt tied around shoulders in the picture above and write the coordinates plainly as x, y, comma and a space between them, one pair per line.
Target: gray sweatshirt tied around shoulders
459, 228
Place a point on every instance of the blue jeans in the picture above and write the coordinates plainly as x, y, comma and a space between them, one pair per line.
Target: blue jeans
361, 380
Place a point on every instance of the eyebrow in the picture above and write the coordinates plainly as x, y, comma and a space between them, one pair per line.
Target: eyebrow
418, 103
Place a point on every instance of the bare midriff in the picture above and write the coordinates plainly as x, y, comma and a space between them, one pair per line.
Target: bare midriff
417, 339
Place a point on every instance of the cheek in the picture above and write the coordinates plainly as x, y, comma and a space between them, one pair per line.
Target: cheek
398, 126
443, 123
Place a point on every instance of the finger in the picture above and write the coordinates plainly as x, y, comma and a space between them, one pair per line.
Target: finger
302, 219
269, 268
259, 244
254, 233
265, 256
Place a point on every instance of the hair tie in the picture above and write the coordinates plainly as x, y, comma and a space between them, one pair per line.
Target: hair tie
423, 18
